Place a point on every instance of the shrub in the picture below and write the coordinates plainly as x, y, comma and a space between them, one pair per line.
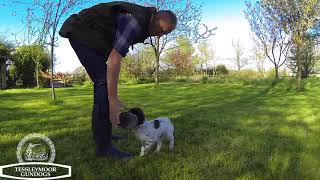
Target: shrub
246, 73
44, 82
144, 80
221, 70
271, 73
78, 76
205, 79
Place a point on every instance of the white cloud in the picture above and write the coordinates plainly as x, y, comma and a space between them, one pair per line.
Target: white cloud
232, 28
67, 58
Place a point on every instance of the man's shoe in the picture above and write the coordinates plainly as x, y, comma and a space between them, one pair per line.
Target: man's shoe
114, 153
116, 137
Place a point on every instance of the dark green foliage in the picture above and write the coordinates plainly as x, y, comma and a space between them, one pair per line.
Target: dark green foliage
28, 61
6, 48
221, 70
205, 79
310, 62
44, 82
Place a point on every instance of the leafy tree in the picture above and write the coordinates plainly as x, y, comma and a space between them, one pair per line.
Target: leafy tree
40, 58
206, 54
182, 59
140, 64
258, 57
269, 34
79, 76
239, 60
6, 48
296, 18
221, 69
28, 61
309, 59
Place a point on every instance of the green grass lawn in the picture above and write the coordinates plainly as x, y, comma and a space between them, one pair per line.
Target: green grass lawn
225, 129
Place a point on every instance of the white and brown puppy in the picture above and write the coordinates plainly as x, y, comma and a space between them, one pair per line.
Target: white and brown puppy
150, 133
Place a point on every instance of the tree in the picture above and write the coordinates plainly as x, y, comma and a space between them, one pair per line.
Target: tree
260, 60
40, 58
6, 48
79, 75
141, 64
259, 57
296, 18
28, 61
189, 15
221, 69
206, 54
270, 35
46, 16
181, 59
309, 59
239, 52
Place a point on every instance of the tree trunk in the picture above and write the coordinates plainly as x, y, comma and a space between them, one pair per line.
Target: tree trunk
51, 63
206, 69
37, 73
157, 59
157, 69
276, 71
3, 75
298, 67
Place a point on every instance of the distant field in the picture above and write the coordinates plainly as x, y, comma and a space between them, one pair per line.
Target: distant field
225, 129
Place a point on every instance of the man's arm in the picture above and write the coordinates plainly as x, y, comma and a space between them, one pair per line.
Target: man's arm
113, 70
127, 30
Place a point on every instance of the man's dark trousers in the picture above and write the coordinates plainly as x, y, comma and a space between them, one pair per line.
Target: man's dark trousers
96, 67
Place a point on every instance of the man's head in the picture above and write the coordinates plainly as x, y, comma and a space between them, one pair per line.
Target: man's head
163, 23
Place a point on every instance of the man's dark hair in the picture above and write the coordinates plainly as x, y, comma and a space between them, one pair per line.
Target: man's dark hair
171, 16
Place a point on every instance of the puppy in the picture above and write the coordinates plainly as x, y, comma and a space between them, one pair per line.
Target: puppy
150, 133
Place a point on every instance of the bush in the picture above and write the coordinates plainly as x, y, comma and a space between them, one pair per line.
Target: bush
144, 80
246, 73
44, 82
205, 79
221, 70
87, 83
271, 73
78, 76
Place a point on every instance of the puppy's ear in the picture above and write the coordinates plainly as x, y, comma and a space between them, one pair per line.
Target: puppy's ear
156, 124
139, 113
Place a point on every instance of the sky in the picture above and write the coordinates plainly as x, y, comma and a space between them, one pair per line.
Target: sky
226, 15
229, 18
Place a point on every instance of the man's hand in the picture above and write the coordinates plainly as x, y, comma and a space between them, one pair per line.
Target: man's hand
114, 110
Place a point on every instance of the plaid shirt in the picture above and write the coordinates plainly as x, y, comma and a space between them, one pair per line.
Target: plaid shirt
127, 30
